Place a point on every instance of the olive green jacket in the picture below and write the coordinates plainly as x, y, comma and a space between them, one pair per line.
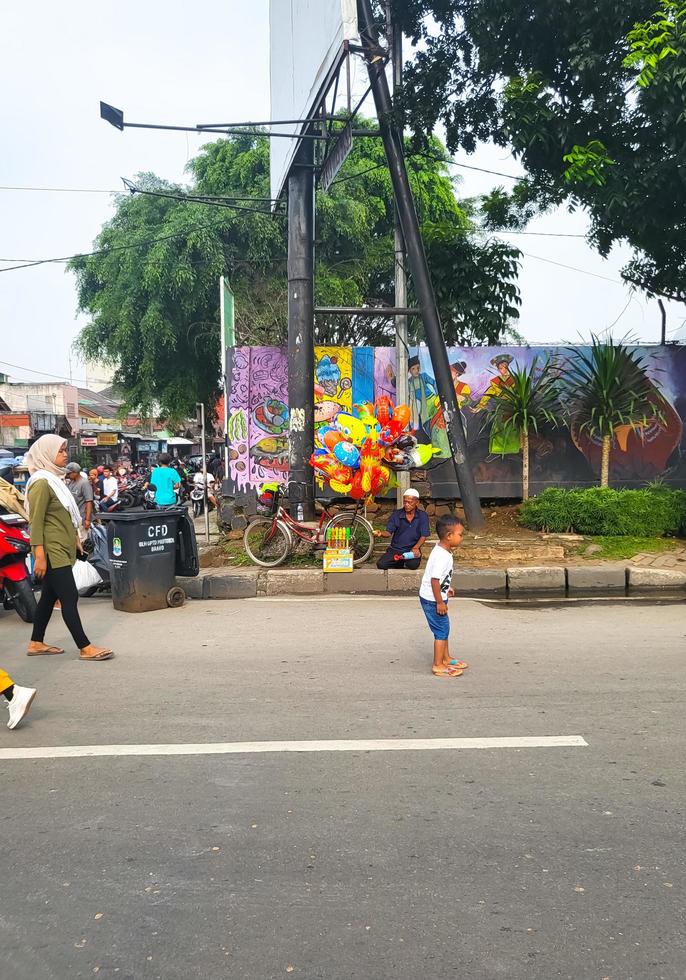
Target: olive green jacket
51, 525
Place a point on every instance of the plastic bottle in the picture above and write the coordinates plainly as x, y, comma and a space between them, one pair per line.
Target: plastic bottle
406, 556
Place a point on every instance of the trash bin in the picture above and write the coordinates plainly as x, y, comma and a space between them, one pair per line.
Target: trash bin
145, 548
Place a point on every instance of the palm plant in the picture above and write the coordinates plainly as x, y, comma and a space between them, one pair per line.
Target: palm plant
608, 388
531, 400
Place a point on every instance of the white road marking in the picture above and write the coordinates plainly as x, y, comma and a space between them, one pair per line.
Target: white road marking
332, 745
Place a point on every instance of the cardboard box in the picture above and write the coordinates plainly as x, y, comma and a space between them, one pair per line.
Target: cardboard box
338, 560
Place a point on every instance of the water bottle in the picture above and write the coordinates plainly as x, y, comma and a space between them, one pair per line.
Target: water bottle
300, 513
406, 556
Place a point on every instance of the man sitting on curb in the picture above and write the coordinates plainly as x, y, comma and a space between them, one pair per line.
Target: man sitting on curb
409, 529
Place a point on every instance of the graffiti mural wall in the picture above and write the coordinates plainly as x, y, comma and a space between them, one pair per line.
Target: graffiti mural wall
344, 377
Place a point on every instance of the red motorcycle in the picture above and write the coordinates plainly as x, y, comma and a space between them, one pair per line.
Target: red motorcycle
15, 582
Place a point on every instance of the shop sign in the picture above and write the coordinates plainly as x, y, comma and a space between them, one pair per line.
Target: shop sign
107, 439
89, 441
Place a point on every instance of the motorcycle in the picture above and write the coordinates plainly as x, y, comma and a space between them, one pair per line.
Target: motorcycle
198, 499
15, 582
96, 550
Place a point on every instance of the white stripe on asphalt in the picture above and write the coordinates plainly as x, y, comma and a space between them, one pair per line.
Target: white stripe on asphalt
333, 745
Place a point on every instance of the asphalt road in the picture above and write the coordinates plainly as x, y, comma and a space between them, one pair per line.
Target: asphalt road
479, 864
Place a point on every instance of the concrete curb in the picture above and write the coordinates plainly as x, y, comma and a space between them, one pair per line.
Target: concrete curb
516, 582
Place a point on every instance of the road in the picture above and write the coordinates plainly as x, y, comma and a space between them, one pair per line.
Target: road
476, 863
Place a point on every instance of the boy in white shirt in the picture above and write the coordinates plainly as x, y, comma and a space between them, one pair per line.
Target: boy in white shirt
435, 591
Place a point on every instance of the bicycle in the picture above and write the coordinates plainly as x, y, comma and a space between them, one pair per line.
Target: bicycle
269, 541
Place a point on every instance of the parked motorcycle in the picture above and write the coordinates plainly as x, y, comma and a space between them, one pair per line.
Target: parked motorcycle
198, 500
96, 550
15, 582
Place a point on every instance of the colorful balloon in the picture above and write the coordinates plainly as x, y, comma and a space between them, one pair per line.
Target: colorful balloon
369, 459
331, 439
347, 454
384, 410
402, 414
330, 467
381, 476
391, 433
423, 453
356, 491
351, 428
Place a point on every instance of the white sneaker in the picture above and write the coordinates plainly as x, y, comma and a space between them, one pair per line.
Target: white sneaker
20, 704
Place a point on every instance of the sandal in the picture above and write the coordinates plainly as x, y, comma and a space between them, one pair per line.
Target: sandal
460, 664
102, 655
446, 671
46, 651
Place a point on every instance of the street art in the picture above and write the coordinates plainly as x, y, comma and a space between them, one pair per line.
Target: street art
563, 457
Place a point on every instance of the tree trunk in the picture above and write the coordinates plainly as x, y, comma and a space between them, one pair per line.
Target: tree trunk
605, 462
525, 465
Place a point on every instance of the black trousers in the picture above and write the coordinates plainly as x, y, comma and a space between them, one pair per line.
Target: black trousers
59, 583
387, 560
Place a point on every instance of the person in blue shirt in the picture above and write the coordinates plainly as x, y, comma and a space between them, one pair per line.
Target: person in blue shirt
408, 529
165, 480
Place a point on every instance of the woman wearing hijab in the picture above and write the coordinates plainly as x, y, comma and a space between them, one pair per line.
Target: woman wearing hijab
55, 521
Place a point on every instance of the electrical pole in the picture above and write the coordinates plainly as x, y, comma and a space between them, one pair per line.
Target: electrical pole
395, 37
301, 331
206, 508
419, 266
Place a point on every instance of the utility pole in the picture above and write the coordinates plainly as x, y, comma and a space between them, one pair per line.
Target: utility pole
301, 331
395, 37
663, 330
206, 509
419, 266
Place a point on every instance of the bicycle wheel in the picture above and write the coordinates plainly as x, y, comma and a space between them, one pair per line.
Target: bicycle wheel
361, 535
267, 542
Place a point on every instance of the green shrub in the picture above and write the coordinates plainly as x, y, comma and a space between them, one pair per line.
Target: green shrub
652, 512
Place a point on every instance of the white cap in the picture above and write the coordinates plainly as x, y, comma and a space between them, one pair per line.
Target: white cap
411, 493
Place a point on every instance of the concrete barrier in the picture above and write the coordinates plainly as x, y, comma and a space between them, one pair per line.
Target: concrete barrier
360, 580
648, 579
300, 581
473, 581
596, 578
537, 578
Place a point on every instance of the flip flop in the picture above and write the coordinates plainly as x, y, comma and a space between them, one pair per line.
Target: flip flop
48, 651
460, 664
446, 672
105, 655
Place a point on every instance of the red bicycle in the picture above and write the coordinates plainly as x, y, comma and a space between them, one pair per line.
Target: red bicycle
270, 540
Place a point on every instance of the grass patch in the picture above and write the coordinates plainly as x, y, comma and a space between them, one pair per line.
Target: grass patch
626, 547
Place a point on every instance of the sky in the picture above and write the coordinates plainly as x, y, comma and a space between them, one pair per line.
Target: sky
171, 63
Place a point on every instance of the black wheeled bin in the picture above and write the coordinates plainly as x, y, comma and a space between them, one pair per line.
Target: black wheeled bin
146, 550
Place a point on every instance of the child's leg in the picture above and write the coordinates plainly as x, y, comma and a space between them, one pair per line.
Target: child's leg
440, 653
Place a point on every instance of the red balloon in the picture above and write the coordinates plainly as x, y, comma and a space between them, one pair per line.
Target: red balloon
356, 491
384, 409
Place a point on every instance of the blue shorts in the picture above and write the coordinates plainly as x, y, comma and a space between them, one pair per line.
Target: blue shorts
439, 625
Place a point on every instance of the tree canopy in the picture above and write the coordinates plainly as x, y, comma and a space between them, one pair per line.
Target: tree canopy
151, 291
591, 98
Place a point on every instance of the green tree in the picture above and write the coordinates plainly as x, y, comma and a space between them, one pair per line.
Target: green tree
153, 308
589, 96
531, 401
607, 387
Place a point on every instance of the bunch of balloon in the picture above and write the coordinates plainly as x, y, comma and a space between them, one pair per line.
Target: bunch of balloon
357, 455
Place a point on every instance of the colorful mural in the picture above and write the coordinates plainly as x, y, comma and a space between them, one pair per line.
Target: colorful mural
344, 377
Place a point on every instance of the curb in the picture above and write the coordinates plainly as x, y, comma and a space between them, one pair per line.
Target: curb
516, 582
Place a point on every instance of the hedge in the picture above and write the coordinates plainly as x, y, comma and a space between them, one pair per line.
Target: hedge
653, 512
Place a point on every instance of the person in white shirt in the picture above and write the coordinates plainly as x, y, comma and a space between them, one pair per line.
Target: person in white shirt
110, 489
198, 482
435, 591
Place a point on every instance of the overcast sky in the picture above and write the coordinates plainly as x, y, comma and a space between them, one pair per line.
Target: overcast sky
185, 64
